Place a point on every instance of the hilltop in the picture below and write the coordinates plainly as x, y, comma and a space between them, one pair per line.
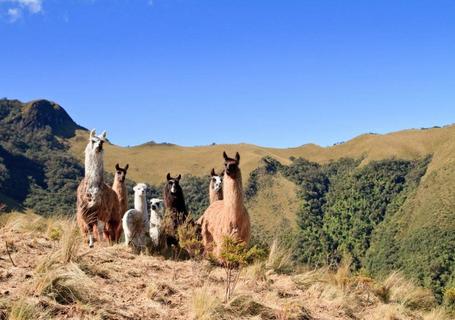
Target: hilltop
152, 160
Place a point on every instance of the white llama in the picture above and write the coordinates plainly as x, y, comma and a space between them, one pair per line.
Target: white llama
135, 220
156, 217
97, 204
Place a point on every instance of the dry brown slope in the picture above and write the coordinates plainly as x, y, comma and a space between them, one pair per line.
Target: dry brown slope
120, 285
150, 163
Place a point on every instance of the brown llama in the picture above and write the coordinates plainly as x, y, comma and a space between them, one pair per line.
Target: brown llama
227, 217
119, 186
97, 204
215, 190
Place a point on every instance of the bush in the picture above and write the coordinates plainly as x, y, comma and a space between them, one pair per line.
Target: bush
449, 297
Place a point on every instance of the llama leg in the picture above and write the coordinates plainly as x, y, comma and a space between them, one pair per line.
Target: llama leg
100, 225
119, 232
91, 241
109, 231
127, 239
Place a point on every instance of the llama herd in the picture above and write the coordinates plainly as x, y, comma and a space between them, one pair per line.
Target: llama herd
102, 210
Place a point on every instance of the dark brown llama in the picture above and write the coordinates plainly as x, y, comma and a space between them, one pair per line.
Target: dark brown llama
176, 212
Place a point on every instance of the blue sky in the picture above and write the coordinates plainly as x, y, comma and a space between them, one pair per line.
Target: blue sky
273, 73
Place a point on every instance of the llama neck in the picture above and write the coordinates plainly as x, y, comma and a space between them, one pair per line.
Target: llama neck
233, 194
140, 204
119, 188
94, 168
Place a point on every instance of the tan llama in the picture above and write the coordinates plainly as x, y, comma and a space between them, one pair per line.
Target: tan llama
227, 217
119, 186
97, 204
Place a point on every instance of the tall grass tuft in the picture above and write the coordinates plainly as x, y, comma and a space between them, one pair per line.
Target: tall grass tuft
23, 310
279, 259
66, 284
396, 288
205, 305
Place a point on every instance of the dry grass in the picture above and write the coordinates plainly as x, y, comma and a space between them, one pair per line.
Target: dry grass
160, 292
279, 259
66, 284
109, 282
70, 242
31, 223
437, 314
26, 222
24, 310
68, 249
205, 304
397, 289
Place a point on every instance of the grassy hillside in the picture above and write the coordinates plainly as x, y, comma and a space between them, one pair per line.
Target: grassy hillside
151, 162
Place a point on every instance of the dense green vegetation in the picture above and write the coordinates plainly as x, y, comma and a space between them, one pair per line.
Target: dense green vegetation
344, 203
196, 191
354, 210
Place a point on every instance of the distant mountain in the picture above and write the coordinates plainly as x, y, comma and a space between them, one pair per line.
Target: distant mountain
40, 114
37, 170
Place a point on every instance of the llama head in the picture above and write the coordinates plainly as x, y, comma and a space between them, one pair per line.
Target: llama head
216, 182
96, 142
157, 205
140, 190
173, 184
120, 173
231, 166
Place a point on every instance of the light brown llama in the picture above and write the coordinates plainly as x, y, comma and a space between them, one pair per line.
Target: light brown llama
215, 190
227, 217
97, 204
119, 186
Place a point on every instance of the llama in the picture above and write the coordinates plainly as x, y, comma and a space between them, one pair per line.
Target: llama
155, 220
97, 204
176, 212
216, 186
119, 187
135, 221
215, 190
229, 216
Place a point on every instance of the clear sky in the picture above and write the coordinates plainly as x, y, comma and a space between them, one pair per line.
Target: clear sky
274, 73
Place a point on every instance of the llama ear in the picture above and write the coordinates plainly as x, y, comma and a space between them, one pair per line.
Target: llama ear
104, 134
92, 133
237, 157
127, 166
117, 167
168, 177
225, 156
212, 173
179, 177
